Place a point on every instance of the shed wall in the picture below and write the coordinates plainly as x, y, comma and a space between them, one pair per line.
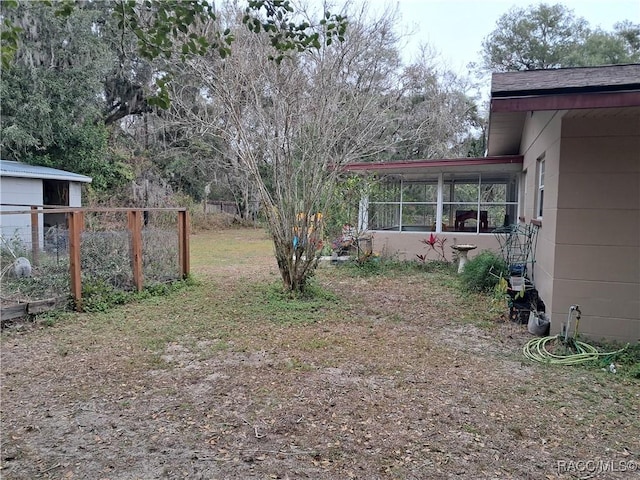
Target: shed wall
22, 191
75, 194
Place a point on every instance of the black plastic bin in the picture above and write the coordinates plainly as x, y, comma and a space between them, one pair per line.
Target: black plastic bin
520, 306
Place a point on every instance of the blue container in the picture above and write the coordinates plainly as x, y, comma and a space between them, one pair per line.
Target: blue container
517, 269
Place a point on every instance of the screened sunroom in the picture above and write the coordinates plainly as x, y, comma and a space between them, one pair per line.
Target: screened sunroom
471, 195
445, 202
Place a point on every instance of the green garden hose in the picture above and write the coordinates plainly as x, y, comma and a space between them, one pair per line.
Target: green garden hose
537, 351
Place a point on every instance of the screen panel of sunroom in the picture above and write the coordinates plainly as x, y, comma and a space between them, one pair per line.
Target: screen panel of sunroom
474, 203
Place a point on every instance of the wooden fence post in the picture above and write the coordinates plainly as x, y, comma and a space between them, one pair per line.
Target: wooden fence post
134, 218
35, 236
76, 225
183, 243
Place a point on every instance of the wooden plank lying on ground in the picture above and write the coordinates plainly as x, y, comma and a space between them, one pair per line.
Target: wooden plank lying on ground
13, 311
42, 306
31, 308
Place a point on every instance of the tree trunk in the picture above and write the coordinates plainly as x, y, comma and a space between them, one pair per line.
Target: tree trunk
295, 263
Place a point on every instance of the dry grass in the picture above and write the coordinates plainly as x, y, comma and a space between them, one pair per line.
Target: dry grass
394, 376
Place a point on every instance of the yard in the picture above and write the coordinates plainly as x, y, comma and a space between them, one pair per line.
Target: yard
393, 376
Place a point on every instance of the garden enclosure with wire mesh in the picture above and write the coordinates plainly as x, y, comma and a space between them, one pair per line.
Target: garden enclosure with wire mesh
53, 255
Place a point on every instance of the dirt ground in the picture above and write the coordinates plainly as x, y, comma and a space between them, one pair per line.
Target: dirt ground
396, 381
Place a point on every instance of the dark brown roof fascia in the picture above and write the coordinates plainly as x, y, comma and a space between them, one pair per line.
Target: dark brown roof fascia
567, 90
446, 162
566, 102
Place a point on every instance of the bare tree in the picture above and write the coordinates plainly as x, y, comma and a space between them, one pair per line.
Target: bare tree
291, 124
435, 114
286, 125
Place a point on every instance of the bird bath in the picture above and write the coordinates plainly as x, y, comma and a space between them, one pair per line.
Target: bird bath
462, 254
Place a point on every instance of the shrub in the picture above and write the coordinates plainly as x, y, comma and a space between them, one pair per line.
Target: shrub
481, 273
627, 360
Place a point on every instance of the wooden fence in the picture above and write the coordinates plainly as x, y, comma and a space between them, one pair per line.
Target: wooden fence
75, 222
221, 207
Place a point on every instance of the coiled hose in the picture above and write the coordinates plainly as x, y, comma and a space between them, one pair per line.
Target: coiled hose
537, 351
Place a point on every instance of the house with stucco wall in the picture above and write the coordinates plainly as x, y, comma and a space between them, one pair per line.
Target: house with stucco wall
563, 155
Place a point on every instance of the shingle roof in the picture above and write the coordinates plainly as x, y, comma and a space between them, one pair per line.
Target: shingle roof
514, 94
10, 168
565, 80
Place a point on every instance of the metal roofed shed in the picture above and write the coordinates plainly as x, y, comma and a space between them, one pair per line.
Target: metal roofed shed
23, 186
10, 168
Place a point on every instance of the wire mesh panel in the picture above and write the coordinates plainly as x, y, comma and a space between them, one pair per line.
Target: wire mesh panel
104, 250
35, 261
160, 247
54, 254
518, 246
108, 244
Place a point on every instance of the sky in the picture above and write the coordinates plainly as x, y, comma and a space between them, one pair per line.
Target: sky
456, 28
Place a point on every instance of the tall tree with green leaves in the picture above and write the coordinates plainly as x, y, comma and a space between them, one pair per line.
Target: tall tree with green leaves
536, 37
551, 36
163, 28
51, 94
70, 69
608, 48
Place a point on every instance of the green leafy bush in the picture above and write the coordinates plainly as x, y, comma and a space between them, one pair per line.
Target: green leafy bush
481, 273
628, 361
99, 295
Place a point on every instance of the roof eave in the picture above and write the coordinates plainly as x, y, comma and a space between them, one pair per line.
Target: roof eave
45, 176
566, 101
434, 164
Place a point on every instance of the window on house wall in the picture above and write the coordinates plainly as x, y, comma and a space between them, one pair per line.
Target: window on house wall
540, 192
470, 203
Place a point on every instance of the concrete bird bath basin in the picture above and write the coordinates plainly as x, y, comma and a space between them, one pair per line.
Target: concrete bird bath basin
463, 250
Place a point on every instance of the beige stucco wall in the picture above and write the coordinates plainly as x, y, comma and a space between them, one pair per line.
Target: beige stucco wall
406, 245
597, 261
541, 136
588, 249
